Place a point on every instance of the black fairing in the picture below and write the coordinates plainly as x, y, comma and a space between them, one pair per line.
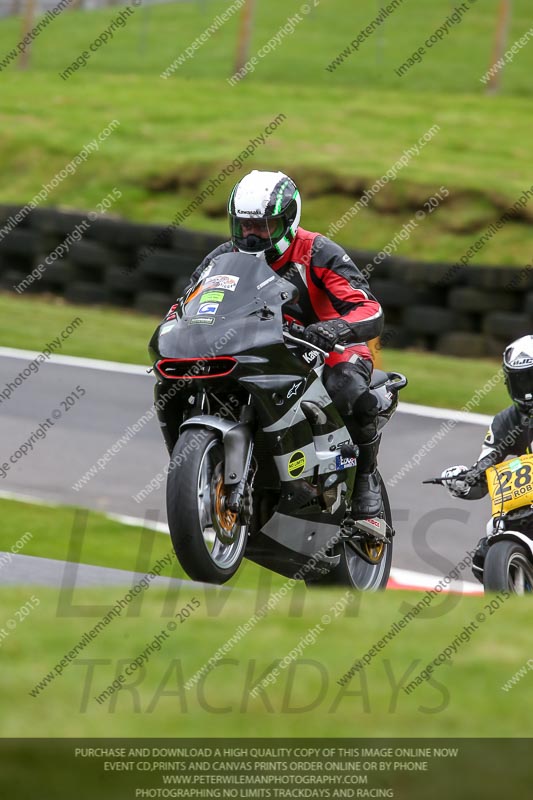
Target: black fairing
247, 325
247, 318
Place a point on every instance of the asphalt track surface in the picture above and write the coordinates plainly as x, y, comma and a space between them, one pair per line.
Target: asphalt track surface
433, 530
50, 572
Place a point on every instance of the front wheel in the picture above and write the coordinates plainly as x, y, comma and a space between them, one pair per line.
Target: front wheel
508, 567
365, 565
208, 539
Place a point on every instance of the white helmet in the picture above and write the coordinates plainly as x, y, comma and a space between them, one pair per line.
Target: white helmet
271, 199
518, 371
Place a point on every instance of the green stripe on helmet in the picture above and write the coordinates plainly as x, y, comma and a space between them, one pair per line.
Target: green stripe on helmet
282, 241
279, 198
231, 197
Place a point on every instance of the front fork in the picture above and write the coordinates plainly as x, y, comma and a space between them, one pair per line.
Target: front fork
238, 451
237, 440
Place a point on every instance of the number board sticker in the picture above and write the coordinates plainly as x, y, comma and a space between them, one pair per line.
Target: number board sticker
202, 321
511, 484
208, 308
296, 464
228, 282
344, 463
212, 297
264, 283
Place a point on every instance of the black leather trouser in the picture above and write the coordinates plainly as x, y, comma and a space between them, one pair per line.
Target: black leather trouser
348, 384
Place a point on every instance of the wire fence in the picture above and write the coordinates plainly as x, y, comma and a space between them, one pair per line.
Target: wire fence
9, 8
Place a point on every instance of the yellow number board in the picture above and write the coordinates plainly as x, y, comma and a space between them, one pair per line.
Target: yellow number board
511, 484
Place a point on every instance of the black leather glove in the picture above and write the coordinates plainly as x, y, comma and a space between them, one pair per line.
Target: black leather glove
327, 333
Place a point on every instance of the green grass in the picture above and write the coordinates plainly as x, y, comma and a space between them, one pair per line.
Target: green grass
369, 706
123, 336
70, 534
306, 691
372, 704
75, 534
449, 382
154, 37
105, 333
343, 130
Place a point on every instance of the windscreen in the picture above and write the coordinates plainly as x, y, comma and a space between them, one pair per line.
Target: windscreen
230, 282
237, 296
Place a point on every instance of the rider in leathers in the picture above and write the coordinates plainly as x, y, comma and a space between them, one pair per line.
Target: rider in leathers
335, 305
511, 430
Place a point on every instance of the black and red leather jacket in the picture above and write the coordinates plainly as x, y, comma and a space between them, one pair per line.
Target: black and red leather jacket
330, 287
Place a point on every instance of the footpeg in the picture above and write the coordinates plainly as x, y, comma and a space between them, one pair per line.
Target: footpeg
376, 527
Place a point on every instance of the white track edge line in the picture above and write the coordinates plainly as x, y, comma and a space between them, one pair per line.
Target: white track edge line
77, 361
138, 369
136, 522
445, 413
427, 581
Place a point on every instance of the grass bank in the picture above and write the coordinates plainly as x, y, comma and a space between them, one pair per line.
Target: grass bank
342, 129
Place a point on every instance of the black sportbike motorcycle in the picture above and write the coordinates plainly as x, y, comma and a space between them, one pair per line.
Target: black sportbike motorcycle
261, 464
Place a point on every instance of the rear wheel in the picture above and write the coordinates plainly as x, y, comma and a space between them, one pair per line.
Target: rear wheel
209, 540
364, 564
508, 567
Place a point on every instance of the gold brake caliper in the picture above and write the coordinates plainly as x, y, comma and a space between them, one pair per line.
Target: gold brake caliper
374, 551
226, 519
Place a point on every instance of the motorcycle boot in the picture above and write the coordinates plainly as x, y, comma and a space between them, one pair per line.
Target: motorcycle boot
366, 501
348, 385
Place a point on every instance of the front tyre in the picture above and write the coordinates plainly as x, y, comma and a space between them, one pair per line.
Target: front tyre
208, 539
508, 567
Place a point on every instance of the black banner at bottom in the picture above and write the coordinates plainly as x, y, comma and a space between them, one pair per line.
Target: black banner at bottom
127, 769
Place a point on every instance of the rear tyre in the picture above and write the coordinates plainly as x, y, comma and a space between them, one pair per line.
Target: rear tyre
209, 541
508, 567
357, 572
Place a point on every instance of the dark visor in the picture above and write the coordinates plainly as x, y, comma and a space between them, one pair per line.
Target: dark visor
258, 226
520, 383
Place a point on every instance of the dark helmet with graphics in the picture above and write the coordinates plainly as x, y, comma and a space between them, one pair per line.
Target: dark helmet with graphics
264, 212
518, 372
